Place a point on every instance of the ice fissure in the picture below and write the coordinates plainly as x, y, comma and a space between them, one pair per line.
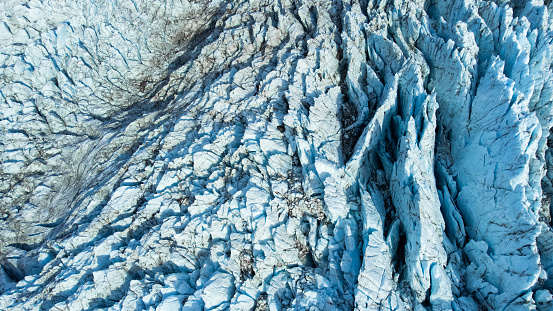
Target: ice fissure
276, 155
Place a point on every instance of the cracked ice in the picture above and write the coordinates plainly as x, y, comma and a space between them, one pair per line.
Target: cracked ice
276, 155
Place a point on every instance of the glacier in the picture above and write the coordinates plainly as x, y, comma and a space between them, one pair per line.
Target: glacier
276, 155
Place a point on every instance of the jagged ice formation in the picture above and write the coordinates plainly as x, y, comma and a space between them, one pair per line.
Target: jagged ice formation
276, 155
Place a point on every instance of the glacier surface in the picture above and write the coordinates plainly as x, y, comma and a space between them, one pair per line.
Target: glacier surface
276, 155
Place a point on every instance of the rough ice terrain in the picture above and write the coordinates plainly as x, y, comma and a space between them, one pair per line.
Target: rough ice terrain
276, 155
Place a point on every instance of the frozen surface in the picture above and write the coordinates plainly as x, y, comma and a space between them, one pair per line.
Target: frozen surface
276, 155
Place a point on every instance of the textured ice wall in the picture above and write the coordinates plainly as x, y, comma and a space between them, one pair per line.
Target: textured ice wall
274, 155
